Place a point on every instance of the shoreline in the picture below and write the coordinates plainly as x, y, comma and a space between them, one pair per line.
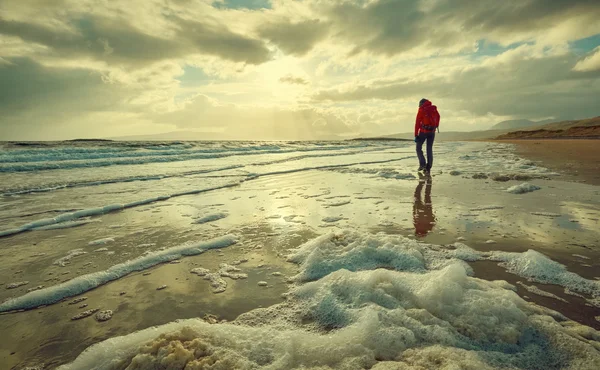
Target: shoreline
551, 138
276, 214
575, 159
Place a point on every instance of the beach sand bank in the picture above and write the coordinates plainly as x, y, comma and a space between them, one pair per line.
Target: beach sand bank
576, 159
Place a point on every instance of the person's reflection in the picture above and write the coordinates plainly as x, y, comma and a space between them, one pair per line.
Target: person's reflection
423, 216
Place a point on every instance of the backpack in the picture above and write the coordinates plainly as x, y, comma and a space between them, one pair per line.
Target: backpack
431, 118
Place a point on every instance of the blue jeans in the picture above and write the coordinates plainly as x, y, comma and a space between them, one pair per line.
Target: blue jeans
429, 137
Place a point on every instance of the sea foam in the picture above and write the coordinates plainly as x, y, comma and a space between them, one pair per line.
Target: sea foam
363, 310
88, 282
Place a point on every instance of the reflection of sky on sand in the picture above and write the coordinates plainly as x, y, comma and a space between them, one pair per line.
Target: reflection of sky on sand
585, 217
516, 218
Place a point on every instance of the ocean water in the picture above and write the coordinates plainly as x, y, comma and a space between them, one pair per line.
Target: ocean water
316, 254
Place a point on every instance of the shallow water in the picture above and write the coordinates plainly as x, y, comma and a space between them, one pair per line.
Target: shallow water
278, 197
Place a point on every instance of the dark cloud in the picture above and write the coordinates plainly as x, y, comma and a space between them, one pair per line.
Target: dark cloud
293, 80
242, 4
38, 102
390, 27
515, 16
27, 85
116, 41
526, 87
294, 38
218, 40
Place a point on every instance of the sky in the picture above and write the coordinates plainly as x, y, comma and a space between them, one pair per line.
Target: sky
290, 69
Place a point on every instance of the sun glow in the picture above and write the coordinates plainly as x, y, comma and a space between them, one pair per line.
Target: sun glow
284, 78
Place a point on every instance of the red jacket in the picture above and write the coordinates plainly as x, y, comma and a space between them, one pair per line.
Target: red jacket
419, 119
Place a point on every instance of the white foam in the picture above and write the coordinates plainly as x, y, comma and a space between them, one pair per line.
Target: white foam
486, 160
200, 271
65, 217
16, 284
535, 290
355, 252
486, 208
146, 201
102, 241
210, 218
393, 174
546, 214
145, 245
332, 219
104, 315
116, 181
420, 311
580, 256
252, 176
63, 158
338, 204
87, 282
63, 261
71, 216
539, 268
217, 283
66, 225
85, 314
523, 188
387, 173
374, 319
321, 155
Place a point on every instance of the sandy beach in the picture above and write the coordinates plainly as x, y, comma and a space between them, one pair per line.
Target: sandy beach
575, 159
317, 247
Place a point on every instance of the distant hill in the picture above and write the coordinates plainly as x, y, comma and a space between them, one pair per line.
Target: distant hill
496, 133
190, 135
380, 138
442, 136
87, 140
451, 135
176, 135
563, 125
516, 124
579, 129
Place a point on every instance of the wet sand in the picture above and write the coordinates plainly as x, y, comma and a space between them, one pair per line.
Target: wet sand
575, 308
274, 215
576, 159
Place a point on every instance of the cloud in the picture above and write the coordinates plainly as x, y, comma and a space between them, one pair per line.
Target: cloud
294, 38
218, 40
293, 80
294, 69
33, 86
519, 83
247, 122
589, 63
49, 103
391, 27
117, 41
